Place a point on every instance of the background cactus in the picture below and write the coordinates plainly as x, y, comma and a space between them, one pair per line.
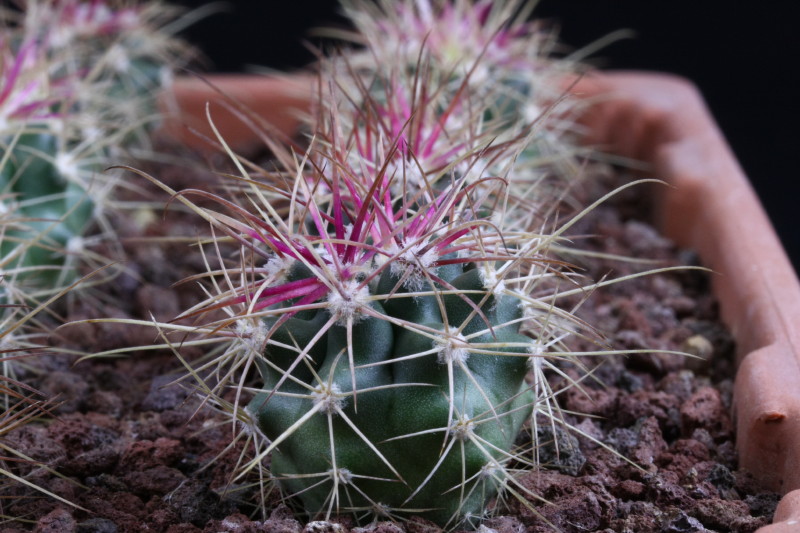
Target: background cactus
79, 84
492, 49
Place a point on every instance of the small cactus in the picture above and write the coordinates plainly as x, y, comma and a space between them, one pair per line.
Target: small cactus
395, 294
399, 340
397, 290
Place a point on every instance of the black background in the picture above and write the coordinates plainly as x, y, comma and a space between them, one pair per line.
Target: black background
744, 57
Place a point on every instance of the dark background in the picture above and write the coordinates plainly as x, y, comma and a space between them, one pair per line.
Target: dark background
744, 57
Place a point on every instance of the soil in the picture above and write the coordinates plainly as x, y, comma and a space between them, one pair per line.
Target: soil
137, 452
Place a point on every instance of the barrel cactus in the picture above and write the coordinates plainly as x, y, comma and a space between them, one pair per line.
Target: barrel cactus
401, 340
397, 299
395, 294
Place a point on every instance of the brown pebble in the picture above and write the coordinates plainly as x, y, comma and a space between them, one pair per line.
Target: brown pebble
629, 490
705, 409
57, 521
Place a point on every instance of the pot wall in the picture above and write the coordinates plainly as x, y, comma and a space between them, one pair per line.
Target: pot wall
241, 108
710, 207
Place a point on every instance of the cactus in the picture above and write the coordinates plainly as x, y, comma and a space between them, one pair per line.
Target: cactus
393, 337
490, 48
78, 88
397, 296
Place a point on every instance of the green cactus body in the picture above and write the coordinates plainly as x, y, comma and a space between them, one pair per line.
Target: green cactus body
51, 211
422, 432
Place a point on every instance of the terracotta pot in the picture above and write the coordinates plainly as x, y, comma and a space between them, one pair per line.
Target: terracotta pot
711, 208
232, 101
